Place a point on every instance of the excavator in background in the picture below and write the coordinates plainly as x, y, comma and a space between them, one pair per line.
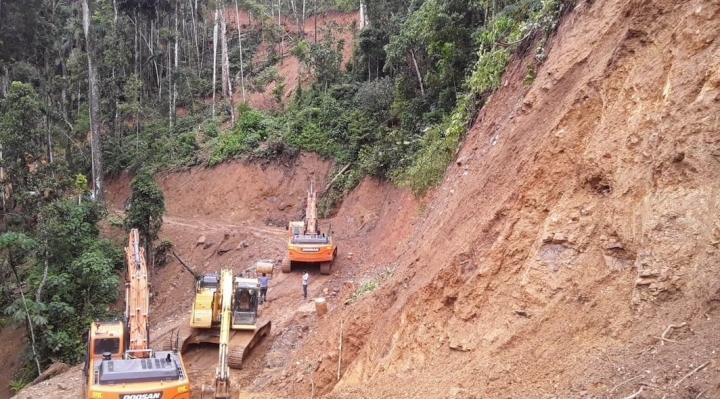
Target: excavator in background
306, 244
119, 363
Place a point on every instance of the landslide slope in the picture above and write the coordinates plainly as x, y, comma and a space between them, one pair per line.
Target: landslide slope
572, 248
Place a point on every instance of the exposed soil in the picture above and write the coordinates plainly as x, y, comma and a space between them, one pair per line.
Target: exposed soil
570, 252
13, 341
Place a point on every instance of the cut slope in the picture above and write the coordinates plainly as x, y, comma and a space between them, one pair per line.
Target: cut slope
579, 222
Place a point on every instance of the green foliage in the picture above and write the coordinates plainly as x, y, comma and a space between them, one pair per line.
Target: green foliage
71, 277
81, 182
17, 385
116, 221
146, 207
529, 74
249, 131
371, 284
21, 138
514, 24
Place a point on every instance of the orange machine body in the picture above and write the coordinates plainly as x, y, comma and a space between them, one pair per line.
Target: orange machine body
119, 363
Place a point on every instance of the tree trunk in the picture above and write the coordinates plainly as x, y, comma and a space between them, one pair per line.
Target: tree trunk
227, 83
195, 34
27, 314
282, 36
170, 85
297, 18
2, 186
38, 294
94, 103
173, 105
215, 39
417, 71
242, 72
363, 18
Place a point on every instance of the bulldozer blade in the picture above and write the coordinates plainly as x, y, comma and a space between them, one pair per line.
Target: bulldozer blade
242, 342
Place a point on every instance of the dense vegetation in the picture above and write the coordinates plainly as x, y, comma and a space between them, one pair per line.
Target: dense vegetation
131, 85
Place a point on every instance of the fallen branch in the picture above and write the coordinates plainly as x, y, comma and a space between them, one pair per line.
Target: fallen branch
662, 337
333, 179
624, 382
698, 368
312, 393
635, 394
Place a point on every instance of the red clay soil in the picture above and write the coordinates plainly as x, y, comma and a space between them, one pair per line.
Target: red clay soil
570, 252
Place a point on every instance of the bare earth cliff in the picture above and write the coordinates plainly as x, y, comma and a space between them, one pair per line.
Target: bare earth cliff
570, 252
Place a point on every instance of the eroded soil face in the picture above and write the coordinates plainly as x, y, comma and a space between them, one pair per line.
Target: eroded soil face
570, 252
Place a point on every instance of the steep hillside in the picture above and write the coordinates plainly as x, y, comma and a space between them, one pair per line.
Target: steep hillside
571, 250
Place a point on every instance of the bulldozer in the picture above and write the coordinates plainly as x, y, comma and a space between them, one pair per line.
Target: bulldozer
119, 363
306, 244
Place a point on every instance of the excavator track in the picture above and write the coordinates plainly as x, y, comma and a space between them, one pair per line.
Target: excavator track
325, 267
242, 342
286, 265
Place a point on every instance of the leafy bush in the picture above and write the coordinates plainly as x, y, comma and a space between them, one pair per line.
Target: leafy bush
249, 131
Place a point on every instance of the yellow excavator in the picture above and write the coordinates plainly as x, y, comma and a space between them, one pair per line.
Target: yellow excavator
225, 312
119, 363
306, 244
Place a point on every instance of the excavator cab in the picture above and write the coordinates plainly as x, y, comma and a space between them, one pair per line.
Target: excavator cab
245, 303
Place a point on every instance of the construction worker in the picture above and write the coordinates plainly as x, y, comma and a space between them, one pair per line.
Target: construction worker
305, 279
263, 286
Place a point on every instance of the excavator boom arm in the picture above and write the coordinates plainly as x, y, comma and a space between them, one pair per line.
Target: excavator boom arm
137, 303
311, 211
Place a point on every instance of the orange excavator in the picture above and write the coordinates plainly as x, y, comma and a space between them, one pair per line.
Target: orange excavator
119, 363
306, 244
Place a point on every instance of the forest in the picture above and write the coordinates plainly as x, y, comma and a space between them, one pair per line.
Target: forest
95, 88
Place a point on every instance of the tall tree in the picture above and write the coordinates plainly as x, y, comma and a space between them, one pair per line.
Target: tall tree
240, 48
226, 82
94, 106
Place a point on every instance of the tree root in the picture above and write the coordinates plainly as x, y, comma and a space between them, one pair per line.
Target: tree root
635, 394
698, 368
662, 337
624, 382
